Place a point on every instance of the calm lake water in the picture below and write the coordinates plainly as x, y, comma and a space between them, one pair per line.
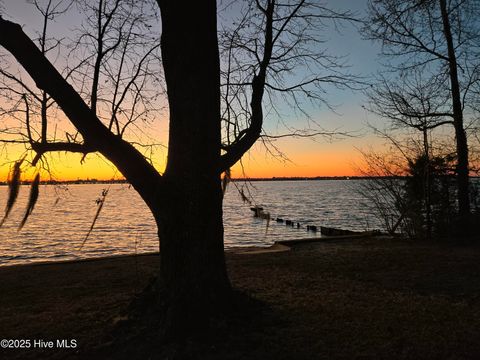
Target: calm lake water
63, 215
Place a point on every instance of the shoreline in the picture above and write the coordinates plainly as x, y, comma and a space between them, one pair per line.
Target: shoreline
277, 246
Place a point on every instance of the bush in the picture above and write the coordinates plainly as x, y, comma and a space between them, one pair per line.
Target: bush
422, 202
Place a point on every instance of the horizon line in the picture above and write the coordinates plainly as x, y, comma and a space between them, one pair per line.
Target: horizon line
273, 178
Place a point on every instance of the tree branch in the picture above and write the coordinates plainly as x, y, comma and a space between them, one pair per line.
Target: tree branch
41, 148
242, 144
132, 164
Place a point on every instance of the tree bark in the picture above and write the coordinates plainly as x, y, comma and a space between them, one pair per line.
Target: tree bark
461, 138
190, 218
427, 172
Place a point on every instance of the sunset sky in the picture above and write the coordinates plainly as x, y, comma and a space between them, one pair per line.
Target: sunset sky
306, 157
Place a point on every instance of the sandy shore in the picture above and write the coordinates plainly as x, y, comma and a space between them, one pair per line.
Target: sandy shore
348, 298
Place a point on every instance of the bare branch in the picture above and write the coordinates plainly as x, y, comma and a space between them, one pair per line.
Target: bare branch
129, 161
270, 45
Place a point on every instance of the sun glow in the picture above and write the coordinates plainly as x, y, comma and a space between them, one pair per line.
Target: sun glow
307, 162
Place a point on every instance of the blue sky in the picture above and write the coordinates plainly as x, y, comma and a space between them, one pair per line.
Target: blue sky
360, 54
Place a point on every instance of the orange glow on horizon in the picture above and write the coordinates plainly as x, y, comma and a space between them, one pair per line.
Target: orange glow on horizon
255, 167
306, 159
333, 164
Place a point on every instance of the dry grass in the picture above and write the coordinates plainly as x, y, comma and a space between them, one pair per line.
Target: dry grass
362, 298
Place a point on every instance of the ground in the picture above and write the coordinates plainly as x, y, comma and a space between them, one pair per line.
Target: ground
338, 299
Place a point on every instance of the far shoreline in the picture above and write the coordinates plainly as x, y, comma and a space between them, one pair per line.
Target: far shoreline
253, 179
274, 178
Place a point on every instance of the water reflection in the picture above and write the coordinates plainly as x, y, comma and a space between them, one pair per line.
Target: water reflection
63, 216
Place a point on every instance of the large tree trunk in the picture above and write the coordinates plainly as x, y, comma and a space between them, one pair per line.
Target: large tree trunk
190, 208
193, 275
461, 138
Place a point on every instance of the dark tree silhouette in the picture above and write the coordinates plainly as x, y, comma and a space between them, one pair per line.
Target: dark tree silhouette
186, 200
439, 38
412, 103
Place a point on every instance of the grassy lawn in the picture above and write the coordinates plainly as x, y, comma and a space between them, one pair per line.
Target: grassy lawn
342, 299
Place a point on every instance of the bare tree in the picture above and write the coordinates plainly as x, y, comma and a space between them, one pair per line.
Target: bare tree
441, 39
384, 187
186, 200
112, 60
409, 102
410, 192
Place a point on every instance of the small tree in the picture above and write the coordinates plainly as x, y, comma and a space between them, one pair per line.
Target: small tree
410, 103
435, 216
384, 188
412, 192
